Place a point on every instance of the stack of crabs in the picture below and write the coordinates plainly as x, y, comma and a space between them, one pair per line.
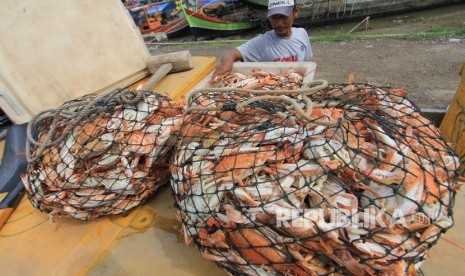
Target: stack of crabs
341, 180
101, 155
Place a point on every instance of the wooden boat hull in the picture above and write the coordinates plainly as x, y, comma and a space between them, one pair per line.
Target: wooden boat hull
314, 12
181, 29
176, 28
160, 17
202, 25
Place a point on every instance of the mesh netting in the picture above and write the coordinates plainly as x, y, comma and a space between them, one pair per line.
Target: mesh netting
100, 155
349, 179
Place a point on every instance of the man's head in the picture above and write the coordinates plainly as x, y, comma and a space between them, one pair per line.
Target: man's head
281, 14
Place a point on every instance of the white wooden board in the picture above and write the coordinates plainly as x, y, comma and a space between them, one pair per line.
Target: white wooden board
54, 51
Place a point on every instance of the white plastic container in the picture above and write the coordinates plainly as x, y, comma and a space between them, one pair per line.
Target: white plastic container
307, 69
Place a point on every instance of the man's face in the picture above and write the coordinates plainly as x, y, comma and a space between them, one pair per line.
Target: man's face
282, 24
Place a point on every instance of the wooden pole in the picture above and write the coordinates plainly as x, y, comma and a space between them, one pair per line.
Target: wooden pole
366, 19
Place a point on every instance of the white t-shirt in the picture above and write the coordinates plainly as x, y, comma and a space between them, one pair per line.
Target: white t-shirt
270, 47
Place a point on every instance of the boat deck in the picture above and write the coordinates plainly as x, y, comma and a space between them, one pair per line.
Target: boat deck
148, 240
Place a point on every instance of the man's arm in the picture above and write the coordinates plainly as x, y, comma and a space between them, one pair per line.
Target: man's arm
227, 60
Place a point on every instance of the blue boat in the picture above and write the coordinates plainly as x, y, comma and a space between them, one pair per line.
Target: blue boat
167, 7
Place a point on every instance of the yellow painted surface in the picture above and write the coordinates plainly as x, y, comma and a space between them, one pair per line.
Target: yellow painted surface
2, 147
152, 245
178, 84
447, 257
453, 124
31, 244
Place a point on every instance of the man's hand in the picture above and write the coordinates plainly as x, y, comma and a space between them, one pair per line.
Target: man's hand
222, 71
226, 66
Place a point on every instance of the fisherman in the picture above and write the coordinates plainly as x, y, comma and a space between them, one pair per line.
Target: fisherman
282, 44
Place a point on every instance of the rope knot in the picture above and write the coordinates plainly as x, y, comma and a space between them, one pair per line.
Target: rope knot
131, 97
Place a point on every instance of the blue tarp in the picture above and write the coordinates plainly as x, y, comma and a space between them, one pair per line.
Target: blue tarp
160, 7
212, 2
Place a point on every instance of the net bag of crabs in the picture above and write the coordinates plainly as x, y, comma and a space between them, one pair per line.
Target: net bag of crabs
349, 180
100, 155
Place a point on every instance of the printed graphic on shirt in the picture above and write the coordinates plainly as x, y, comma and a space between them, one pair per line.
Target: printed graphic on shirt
293, 58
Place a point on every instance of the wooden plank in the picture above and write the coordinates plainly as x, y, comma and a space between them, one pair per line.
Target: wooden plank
453, 125
185, 81
55, 51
